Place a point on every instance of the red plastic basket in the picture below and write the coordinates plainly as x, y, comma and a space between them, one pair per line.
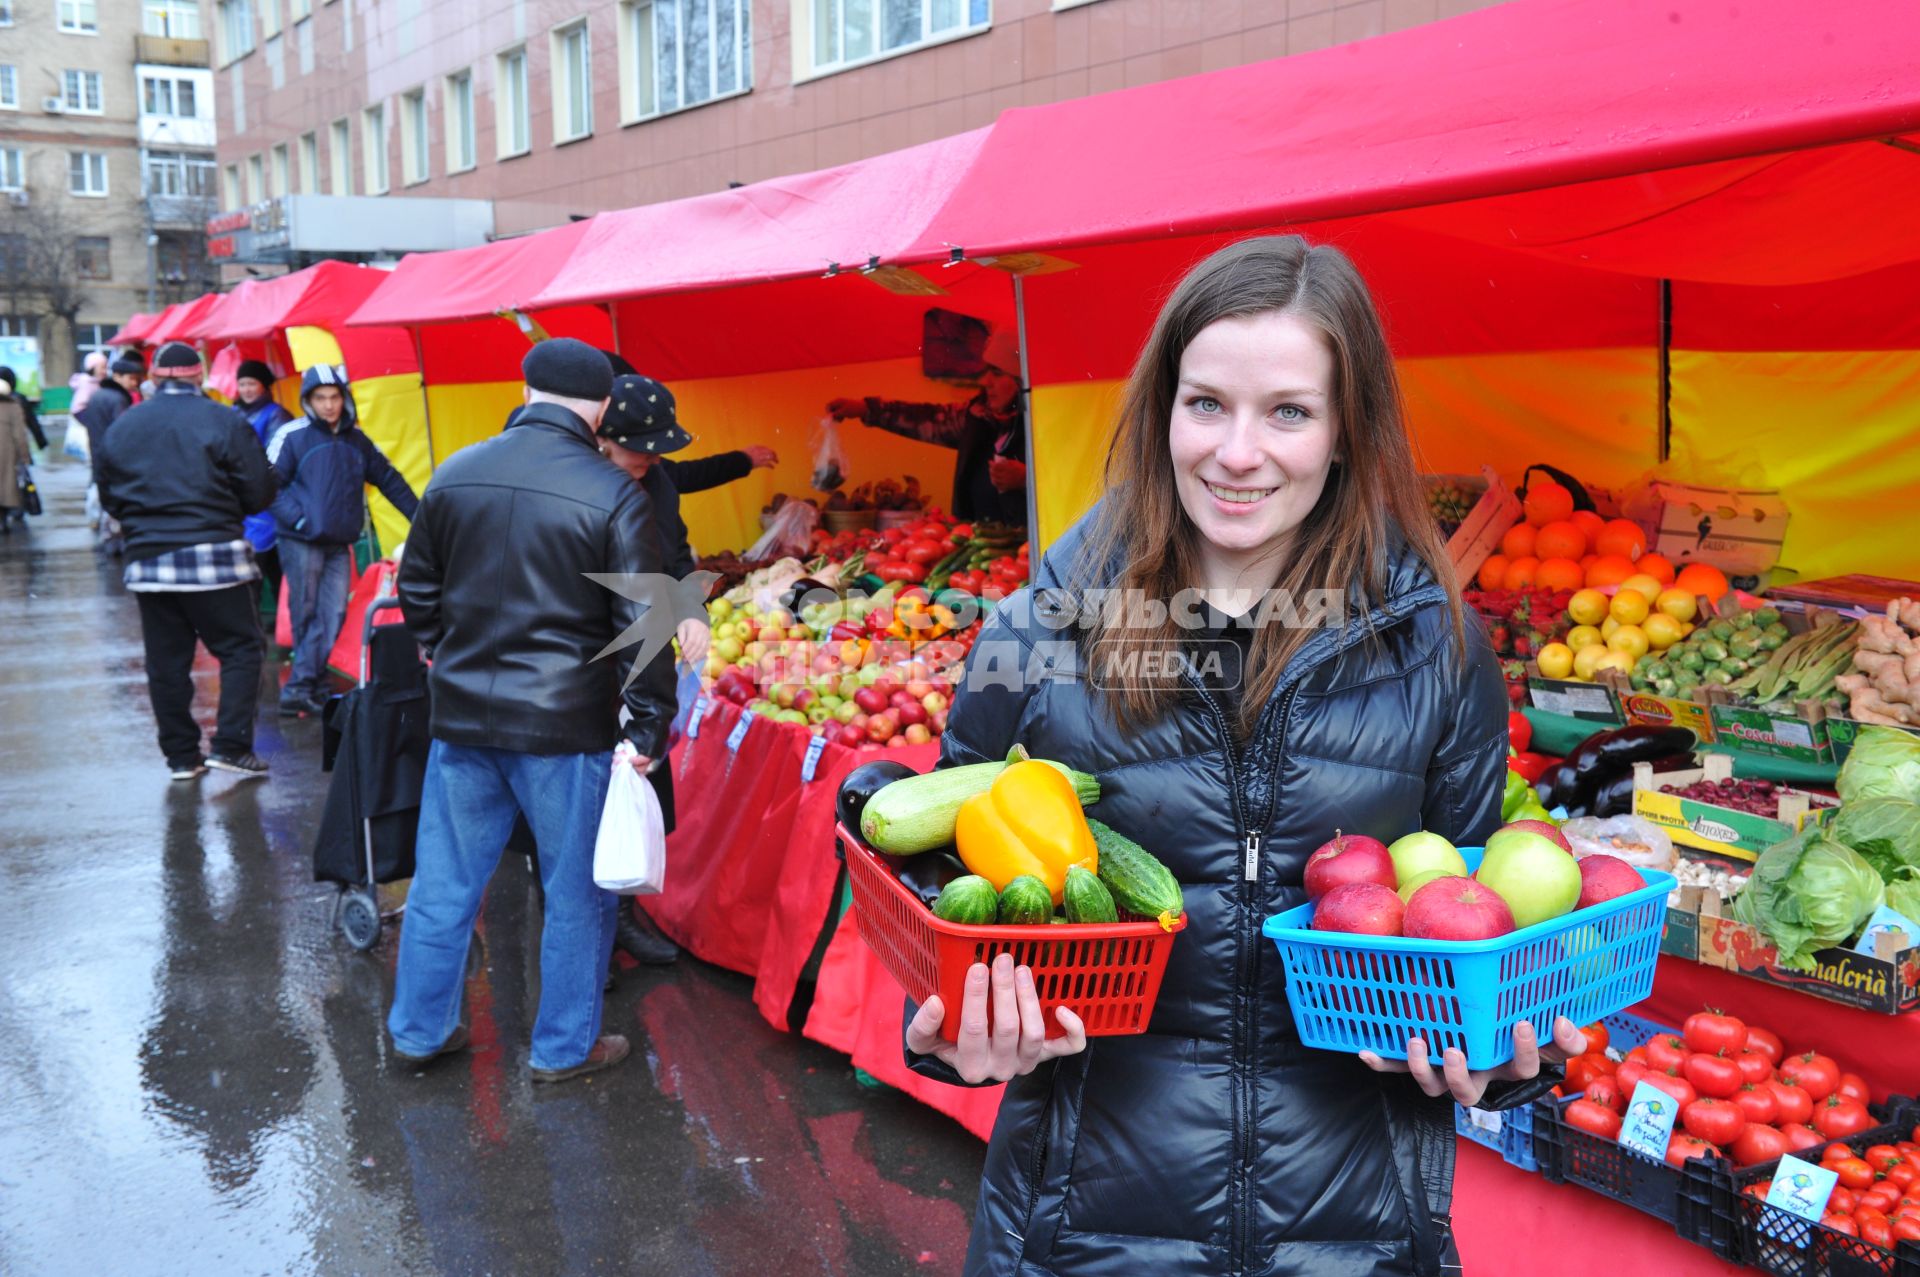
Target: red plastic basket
1108, 974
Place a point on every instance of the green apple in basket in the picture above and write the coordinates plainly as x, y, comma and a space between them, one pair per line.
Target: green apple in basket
1538, 879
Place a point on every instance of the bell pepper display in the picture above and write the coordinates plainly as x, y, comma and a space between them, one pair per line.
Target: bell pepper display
1028, 821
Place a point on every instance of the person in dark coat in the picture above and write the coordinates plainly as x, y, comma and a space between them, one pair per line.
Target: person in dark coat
254, 387
1247, 474
29, 408
112, 397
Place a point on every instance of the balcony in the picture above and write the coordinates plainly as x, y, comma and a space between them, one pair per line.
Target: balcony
166, 51
181, 212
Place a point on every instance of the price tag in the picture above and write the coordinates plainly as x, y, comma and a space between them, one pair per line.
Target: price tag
815, 748
1649, 1125
1801, 1188
696, 716
1481, 1119
739, 732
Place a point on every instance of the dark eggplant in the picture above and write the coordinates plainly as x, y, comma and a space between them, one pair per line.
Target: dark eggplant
1614, 797
1558, 787
1622, 747
862, 783
927, 874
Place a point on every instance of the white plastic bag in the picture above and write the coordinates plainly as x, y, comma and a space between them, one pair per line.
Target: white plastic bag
829, 455
630, 852
78, 445
789, 532
1640, 843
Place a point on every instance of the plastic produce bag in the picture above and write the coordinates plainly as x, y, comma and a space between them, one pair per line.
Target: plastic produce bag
1638, 842
78, 445
630, 852
829, 455
789, 532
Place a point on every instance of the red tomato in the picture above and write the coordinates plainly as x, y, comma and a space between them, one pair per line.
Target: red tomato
1629, 1075
1795, 1104
1881, 1197
1605, 1091
1758, 1143
1639, 1056
1673, 1084
1709, 1032
1840, 1224
1666, 1052
1715, 1121
1682, 1149
1854, 1174
1903, 1175
1817, 1075
1853, 1087
1597, 1037
1800, 1138
923, 552
1766, 1042
1760, 1188
1882, 1156
1842, 1201
1836, 1118
1757, 1103
1875, 1230
1906, 1228
1714, 1075
1594, 1119
1755, 1066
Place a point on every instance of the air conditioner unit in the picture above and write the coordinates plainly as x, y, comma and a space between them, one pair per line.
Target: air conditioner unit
54, 106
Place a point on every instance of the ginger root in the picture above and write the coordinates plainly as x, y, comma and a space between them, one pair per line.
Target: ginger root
1906, 612
1883, 634
1868, 706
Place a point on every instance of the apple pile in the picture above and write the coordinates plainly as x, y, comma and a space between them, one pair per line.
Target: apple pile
1419, 886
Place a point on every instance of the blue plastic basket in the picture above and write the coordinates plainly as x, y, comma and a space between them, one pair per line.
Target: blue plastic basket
1508, 1133
1354, 993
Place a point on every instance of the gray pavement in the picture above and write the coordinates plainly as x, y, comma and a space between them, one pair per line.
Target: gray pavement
194, 1077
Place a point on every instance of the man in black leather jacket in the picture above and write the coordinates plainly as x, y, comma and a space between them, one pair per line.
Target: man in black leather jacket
494, 584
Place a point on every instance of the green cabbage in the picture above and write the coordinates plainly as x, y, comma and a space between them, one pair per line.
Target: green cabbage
1885, 763
1885, 831
1903, 897
1809, 893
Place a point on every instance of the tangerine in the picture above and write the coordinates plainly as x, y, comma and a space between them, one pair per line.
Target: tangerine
1704, 580
1588, 522
1547, 502
1609, 569
1521, 572
1493, 573
1561, 540
1657, 566
1623, 537
1518, 542
1558, 574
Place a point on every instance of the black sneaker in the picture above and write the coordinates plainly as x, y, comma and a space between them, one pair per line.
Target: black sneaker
248, 764
189, 769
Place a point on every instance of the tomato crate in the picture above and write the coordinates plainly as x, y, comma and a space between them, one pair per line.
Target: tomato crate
1108, 974
1353, 993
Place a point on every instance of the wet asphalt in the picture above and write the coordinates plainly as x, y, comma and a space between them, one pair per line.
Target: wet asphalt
194, 1078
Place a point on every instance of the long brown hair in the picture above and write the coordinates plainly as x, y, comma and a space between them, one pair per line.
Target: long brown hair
1371, 494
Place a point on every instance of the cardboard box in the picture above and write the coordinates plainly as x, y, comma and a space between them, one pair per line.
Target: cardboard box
1477, 538
1737, 530
1680, 936
1649, 710
1725, 831
1597, 703
1886, 981
1842, 732
1800, 735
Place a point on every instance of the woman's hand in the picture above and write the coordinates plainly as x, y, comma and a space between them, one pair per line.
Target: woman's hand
695, 638
1468, 1086
1018, 1042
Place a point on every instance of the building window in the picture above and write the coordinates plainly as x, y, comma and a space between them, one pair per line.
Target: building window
340, 159
256, 178
309, 163
373, 147
572, 61
848, 32
164, 95
93, 256
80, 90
282, 170
681, 53
6, 13
269, 18
17, 325
298, 9
9, 87
174, 19
87, 172
179, 173
413, 136
91, 339
459, 114
513, 128
79, 17
236, 29
13, 169
230, 186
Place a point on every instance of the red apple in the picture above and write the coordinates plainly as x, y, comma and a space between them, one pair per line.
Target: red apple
917, 734
870, 700
1364, 908
1346, 858
901, 699
1550, 832
803, 698
886, 686
849, 735
1605, 877
882, 727
1456, 909
911, 714
919, 689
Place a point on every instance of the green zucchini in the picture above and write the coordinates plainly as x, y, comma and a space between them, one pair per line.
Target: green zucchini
1140, 884
917, 813
968, 899
1086, 898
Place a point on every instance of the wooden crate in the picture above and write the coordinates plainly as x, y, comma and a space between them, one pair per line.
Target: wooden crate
1496, 511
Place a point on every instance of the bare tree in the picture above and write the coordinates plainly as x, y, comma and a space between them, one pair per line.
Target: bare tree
40, 263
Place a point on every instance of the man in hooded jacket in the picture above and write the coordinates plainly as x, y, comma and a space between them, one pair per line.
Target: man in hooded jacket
324, 462
255, 401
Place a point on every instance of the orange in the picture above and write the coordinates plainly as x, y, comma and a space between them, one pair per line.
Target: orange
1588, 522
1623, 537
1562, 540
1493, 573
1656, 566
1547, 502
1521, 572
1702, 579
1609, 569
1586, 561
1558, 574
1518, 542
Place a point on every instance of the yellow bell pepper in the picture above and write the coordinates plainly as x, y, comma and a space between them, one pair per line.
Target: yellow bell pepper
1027, 822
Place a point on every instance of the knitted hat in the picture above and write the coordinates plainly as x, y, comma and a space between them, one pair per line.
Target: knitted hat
569, 368
127, 365
177, 359
641, 417
255, 369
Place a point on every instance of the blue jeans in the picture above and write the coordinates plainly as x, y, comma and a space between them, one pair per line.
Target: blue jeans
317, 582
472, 794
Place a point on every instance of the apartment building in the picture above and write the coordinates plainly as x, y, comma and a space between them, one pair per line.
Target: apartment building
106, 167
556, 109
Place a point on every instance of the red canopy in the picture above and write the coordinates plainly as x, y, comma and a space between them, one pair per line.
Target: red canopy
134, 331
470, 283
321, 296
1517, 97
182, 322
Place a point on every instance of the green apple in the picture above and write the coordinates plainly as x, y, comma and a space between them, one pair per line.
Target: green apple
846, 711
1537, 879
1422, 852
720, 609
1410, 885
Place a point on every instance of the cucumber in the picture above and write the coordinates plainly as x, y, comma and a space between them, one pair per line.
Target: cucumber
1140, 884
1087, 899
1025, 902
969, 899
917, 813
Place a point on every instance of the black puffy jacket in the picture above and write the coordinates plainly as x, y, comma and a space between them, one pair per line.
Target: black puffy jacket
180, 470
493, 584
1215, 1143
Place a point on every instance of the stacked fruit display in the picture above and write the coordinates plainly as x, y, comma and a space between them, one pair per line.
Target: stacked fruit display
1451, 498
1876, 1194
1615, 632
1420, 886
